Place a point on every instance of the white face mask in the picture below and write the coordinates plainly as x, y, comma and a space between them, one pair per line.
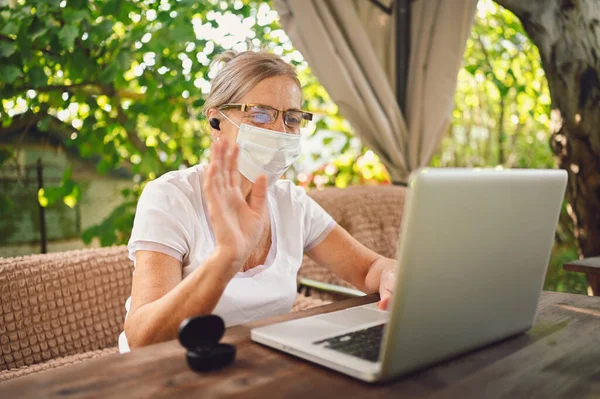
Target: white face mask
265, 152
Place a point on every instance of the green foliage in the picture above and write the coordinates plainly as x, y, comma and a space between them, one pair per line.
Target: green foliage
340, 158
557, 279
5, 155
351, 168
502, 101
6, 202
122, 82
116, 228
68, 190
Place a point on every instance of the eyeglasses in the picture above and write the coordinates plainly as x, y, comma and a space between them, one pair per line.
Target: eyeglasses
263, 114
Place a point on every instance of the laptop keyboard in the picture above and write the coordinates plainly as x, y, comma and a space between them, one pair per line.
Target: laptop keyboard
364, 344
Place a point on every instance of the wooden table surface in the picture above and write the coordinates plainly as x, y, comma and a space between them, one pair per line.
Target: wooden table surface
558, 357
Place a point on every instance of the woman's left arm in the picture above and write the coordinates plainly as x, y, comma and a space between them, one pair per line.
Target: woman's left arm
356, 264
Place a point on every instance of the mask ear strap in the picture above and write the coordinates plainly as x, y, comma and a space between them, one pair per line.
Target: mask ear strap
226, 117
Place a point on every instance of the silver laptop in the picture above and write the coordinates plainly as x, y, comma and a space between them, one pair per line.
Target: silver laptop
472, 256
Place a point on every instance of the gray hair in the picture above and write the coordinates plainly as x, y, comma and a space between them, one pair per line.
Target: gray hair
241, 72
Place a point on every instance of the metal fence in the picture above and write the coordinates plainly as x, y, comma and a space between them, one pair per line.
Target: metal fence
22, 219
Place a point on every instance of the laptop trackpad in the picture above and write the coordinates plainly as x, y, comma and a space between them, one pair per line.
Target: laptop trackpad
355, 316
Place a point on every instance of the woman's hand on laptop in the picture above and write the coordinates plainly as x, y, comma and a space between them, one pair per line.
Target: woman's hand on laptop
387, 280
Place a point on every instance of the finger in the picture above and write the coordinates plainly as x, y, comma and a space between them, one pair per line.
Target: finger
258, 195
218, 169
209, 178
234, 175
215, 151
227, 149
218, 163
237, 176
210, 187
383, 304
212, 166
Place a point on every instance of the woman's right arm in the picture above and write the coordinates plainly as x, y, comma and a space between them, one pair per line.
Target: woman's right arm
160, 300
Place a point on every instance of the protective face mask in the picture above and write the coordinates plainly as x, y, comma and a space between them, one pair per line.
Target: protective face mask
265, 152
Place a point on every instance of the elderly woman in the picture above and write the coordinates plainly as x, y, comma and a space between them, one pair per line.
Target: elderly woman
229, 238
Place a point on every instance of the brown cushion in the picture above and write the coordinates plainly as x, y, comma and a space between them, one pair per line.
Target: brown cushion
61, 304
371, 214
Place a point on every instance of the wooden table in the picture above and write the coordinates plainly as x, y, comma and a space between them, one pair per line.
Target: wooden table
558, 357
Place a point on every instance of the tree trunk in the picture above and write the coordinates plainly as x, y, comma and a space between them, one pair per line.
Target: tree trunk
567, 34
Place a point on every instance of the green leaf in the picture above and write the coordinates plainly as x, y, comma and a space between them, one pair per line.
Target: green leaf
246, 10
6, 204
44, 123
67, 36
6, 120
472, 69
182, 32
36, 30
86, 150
149, 164
75, 16
82, 64
124, 59
10, 29
111, 7
55, 4
199, 103
321, 124
7, 49
78, 3
89, 234
67, 175
73, 195
104, 28
50, 194
103, 167
5, 154
109, 73
37, 77
9, 73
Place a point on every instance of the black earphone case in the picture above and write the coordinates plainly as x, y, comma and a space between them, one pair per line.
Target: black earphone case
200, 336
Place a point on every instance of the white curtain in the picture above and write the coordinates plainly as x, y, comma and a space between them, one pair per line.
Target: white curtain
350, 44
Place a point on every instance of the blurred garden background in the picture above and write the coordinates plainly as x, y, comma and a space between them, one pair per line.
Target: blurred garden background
99, 97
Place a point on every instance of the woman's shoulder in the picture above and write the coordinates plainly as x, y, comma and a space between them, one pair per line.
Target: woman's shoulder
186, 181
183, 179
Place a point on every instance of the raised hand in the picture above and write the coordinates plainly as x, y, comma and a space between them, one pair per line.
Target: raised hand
237, 223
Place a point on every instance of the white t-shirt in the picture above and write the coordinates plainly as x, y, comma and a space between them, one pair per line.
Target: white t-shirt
171, 218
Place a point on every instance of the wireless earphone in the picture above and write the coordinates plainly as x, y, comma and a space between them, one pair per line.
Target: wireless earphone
215, 123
